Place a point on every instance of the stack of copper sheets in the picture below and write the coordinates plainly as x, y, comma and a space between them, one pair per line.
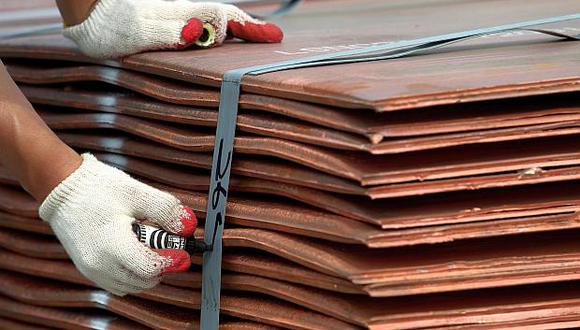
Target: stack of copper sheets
435, 191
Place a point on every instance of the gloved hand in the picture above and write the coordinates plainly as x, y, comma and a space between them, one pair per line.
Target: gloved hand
117, 28
91, 213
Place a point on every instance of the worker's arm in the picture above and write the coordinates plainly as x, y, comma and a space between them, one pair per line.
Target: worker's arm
116, 28
28, 148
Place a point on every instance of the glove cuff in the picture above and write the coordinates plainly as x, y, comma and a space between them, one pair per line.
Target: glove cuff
80, 181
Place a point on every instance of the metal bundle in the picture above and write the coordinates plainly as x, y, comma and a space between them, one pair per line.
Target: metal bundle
435, 191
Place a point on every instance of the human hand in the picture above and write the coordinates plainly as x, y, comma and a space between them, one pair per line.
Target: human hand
92, 212
116, 28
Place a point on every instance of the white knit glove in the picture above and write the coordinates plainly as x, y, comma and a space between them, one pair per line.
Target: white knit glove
91, 213
117, 28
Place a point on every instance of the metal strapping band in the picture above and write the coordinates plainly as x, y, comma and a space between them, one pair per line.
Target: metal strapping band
226, 128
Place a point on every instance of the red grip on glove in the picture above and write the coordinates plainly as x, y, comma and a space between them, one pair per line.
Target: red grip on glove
252, 32
192, 31
180, 261
188, 220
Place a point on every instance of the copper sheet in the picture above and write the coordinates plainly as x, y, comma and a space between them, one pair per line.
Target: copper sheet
485, 263
448, 210
500, 262
124, 103
343, 165
518, 112
422, 211
422, 167
421, 122
416, 212
177, 92
35, 291
17, 325
257, 167
320, 222
260, 265
184, 178
344, 228
335, 305
44, 292
13, 200
63, 318
34, 266
201, 140
525, 156
294, 219
530, 64
395, 169
374, 239
508, 305
294, 131
246, 211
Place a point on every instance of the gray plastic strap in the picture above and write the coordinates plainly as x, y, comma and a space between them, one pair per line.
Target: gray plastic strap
226, 127
349, 56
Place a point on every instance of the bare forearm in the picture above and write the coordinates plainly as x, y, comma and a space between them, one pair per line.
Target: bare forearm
75, 11
29, 150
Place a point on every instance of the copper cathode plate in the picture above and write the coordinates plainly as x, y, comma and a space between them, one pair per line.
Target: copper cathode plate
392, 272
45, 292
347, 166
452, 118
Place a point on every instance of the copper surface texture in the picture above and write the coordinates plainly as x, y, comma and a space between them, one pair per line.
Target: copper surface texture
434, 191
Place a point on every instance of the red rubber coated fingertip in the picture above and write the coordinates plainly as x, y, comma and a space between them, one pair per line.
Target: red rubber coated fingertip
192, 31
265, 33
188, 220
180, 261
